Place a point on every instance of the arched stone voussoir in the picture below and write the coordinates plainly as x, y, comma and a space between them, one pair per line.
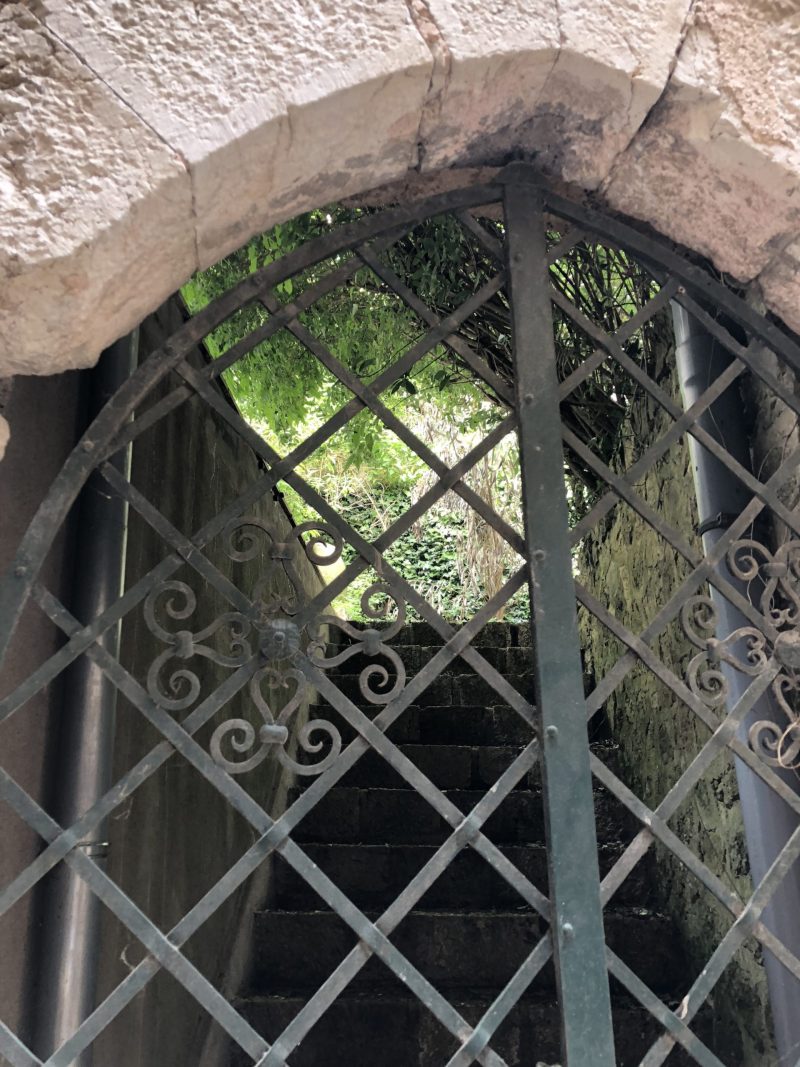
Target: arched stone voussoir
160, 134
275, 107
258, 111
565, 82
95, 211
717, 165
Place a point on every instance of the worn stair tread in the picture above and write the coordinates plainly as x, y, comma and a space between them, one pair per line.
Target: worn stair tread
451, 947
443, 688
393, 1028
464, 995
375, 850
454, 912
507, 660
351, 815
606, 751
372, 875
468, 934
515, 665
491, 635
448, 766
471, 724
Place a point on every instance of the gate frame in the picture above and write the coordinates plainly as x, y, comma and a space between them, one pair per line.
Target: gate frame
523, 191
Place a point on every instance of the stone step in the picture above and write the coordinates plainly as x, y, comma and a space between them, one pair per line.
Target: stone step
445, 688
296, 951
372, 833
394, 1029
448, 724
447, 766
400, 816
493, 635
508, 661
372, 876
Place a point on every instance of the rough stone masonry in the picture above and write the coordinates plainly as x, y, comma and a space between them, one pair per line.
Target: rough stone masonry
142, 140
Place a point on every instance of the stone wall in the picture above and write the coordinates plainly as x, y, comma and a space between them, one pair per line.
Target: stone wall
144, 140
176, 835
633, 572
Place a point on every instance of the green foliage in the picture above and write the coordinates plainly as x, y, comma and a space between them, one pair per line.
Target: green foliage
434, 556
363, 470
604, 288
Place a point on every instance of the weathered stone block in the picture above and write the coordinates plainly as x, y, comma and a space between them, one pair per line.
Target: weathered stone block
716, 167
97, 209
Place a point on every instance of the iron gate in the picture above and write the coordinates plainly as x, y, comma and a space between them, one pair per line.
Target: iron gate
284, 639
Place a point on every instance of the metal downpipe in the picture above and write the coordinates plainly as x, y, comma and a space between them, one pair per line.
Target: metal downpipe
68, 951
721, 497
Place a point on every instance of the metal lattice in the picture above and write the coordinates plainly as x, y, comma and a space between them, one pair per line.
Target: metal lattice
281, 643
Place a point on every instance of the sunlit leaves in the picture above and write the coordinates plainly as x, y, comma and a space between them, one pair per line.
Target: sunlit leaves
286, 393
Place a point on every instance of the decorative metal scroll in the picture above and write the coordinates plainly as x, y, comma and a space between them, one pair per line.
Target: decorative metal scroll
752, 651
286, 648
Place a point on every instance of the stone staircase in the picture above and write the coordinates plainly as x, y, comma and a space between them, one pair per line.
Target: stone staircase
471, 930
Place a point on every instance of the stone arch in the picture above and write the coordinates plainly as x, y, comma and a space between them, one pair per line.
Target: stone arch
144, 140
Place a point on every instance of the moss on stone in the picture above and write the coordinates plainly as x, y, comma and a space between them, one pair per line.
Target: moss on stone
634, 572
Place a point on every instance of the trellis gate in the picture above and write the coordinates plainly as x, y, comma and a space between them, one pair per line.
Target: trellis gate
572, 903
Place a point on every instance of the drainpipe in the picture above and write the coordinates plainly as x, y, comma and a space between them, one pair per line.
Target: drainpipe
721, 498
66, 970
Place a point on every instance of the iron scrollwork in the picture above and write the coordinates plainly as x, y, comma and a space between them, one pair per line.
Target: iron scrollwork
279, 673
376, 604
290, 651
752, 651
183, 685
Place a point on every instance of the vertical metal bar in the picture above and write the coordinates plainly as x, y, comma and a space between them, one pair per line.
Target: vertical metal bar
577, 917
66, 971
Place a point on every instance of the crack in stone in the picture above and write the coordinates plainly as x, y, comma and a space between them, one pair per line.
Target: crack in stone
562, 37
562, 40
733, 101
782, 245
688, 23
289, 109
428, 29
129, 107
732, 97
